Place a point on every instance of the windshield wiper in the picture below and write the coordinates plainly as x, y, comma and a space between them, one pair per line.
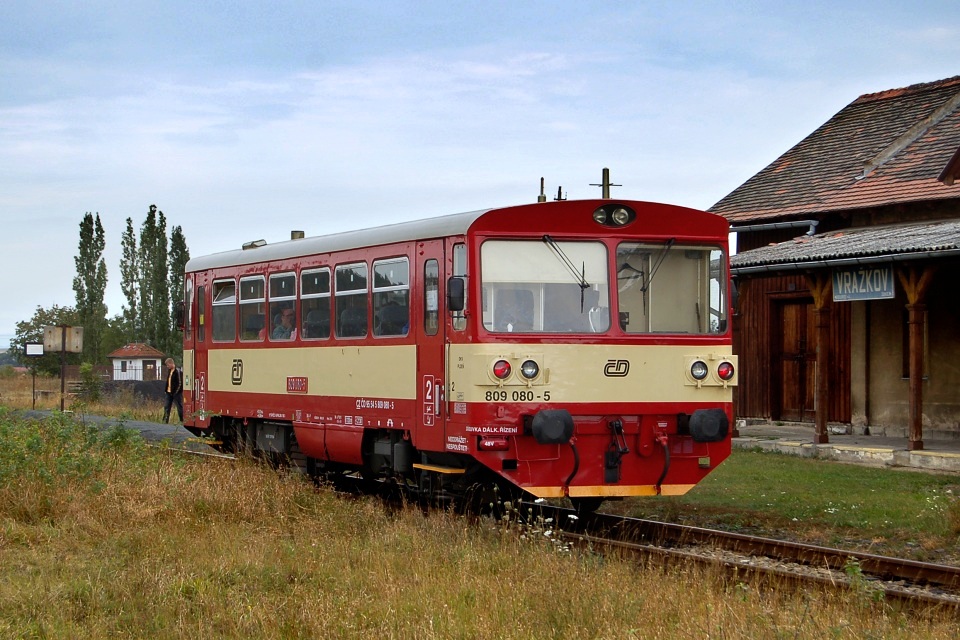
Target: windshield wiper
653, 271
579, 276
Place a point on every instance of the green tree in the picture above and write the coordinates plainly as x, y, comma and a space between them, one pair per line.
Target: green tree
32, 331
90, 285
116, 334
179, 255
130, 281
154, 292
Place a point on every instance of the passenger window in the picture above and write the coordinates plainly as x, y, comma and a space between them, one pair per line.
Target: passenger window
315, 304
351, 300
283, 306
391, 297
225, 311
252, 303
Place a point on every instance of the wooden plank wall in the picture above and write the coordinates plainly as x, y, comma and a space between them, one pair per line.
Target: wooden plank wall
754, 334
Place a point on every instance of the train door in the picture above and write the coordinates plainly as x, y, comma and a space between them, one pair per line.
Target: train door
198, 377
431, 346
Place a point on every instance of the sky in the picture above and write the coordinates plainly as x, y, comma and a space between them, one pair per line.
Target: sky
246, 120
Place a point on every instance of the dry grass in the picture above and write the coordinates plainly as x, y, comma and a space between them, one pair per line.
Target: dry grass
20, 391
103, 537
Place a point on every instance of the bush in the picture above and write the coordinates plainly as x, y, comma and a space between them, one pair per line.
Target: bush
91, 386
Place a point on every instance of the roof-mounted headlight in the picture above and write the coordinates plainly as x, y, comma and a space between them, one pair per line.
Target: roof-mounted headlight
614, 215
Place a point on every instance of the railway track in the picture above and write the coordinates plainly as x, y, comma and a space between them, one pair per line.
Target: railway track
907, 582
893, 579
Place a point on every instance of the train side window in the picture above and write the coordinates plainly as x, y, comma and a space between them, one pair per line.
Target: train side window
188, 309
351, 300
252, 303
224, 311
283, 306
315, 304
460, 270
391, 297
431, 297
201, 313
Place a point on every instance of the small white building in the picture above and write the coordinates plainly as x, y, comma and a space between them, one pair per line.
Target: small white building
136, 361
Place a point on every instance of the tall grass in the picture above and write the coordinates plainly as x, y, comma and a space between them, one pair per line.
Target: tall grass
101, 537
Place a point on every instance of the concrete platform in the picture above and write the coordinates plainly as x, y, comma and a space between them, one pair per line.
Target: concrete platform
941, 454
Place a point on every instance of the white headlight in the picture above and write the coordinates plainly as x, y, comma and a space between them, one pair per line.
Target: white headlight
529, 369
698, 370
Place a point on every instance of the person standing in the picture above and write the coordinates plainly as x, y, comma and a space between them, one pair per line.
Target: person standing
174, 391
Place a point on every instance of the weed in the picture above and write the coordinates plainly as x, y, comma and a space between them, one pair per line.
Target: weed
863, 589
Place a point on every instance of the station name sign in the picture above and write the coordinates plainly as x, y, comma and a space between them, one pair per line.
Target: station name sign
863, 283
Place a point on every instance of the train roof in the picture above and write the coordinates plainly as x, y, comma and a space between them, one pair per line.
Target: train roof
438, 227
657, 220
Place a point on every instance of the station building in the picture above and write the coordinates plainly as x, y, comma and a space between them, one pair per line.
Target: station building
848, 310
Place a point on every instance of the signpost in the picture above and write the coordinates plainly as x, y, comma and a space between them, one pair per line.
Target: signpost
33, 350
65, 340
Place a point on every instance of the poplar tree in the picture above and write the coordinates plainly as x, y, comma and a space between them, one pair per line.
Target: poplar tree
90, 285
179, 255
130, 281
154, 293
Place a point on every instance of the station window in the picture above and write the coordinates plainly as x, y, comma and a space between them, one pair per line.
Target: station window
283, 306
460, 270
252, 304
391, 297
315, 304
225, 311
431, 297
351, 300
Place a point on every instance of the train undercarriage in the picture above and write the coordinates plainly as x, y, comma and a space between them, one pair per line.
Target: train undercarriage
390, 463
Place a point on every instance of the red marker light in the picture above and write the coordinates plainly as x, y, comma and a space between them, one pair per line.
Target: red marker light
501, 369
725, 370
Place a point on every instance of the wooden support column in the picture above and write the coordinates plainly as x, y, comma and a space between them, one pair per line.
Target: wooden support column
916, 281
821, 286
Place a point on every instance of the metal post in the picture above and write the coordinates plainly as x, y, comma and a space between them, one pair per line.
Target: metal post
605, 184
63, 363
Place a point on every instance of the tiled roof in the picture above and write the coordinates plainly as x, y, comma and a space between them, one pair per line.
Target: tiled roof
860, 245
951, 172
136, 350
881, 149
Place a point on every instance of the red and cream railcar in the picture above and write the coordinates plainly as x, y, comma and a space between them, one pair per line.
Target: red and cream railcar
573, 348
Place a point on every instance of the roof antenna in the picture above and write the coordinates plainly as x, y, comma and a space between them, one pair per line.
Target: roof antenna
606, 184
543, 196
559, 197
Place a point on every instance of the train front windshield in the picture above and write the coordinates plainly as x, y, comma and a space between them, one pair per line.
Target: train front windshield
563, 287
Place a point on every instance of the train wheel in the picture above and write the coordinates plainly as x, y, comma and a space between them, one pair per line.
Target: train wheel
586, 505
